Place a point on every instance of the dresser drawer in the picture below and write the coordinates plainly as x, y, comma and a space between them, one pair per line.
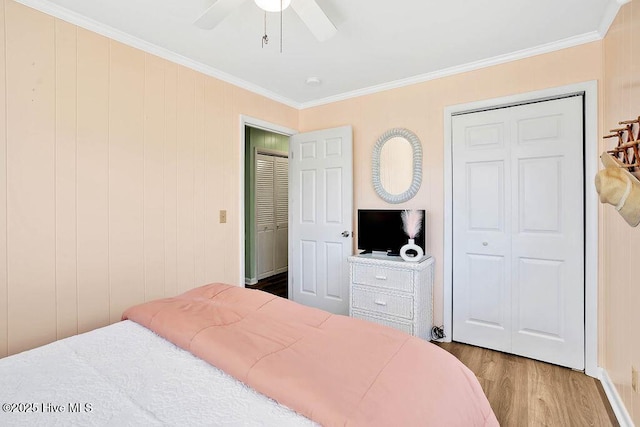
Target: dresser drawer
383, 277
382, 302
396, 324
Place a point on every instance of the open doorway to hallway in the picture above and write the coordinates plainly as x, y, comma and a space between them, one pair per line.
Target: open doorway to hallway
266, 211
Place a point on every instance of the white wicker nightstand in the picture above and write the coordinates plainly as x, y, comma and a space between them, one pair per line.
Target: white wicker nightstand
392, 292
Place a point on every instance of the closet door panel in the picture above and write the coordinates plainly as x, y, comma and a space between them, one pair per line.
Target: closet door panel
281, 184
265, 216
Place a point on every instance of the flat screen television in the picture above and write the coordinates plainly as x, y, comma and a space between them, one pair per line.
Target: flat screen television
380, 230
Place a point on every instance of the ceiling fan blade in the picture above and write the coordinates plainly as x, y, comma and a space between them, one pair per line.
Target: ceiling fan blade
216, 13
317, 21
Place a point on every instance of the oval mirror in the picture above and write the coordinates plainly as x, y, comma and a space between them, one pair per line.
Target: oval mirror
397, 165
396, 151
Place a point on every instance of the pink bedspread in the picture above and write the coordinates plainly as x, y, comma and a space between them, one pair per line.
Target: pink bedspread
333, 369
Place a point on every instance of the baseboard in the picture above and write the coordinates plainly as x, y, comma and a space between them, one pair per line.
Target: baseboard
615, 400
250, 281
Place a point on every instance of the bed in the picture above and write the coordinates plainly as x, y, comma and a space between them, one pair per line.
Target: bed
247, 358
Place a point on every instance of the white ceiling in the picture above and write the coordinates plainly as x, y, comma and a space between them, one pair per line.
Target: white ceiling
379, 43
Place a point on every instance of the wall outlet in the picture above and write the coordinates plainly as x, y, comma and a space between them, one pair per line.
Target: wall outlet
223, 216
634, 379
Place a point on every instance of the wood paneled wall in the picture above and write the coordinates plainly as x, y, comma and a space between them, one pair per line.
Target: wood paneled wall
620, 244
113, 167
420, 107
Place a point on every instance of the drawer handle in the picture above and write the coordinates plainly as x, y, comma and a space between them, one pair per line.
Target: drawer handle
378, 302
381, 277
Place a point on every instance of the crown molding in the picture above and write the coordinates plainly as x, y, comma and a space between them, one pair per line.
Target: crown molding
609, 15
471, 66
67, 15
122, 37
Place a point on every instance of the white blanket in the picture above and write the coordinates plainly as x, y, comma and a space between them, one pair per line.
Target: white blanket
123, 375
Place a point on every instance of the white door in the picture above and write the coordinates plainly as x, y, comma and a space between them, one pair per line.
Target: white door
272, 214
265, 216
321, 215
281, 185
518, 230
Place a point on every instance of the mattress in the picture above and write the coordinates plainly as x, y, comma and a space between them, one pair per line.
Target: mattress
333, 369
96, 379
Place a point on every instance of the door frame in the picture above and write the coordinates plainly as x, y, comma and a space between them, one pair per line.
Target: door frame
590, 90
258, 124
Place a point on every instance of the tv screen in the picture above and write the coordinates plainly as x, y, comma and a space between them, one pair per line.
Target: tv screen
381, 231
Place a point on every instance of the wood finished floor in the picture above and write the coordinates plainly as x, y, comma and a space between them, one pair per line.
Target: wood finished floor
522, 392
525, 392
277, 285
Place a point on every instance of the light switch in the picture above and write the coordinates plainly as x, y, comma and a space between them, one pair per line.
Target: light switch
223, 216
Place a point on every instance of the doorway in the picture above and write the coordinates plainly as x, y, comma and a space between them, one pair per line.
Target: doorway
591, 166
266, 210
318, 275
273, 284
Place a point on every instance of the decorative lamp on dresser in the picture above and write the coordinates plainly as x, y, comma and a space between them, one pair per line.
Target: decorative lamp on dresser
392, 292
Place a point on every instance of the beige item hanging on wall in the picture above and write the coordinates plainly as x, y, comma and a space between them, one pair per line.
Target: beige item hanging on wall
618, 187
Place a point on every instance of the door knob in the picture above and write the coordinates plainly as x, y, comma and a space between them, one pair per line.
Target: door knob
345, 234
485, 243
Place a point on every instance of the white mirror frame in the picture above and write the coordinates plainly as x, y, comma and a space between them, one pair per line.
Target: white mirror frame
416, 181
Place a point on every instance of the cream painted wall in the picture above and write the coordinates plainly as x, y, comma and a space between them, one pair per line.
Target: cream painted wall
114, 165
621, 243
420, 108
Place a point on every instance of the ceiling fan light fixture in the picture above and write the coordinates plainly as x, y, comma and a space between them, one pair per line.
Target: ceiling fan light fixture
272, 5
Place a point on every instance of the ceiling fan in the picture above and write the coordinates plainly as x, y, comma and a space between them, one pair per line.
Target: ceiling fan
308, 10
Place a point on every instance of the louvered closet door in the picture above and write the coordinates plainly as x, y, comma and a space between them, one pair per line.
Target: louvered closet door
265, 216
518, 230
282, 214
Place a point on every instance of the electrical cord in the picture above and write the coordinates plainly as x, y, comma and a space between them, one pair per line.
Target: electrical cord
437, 333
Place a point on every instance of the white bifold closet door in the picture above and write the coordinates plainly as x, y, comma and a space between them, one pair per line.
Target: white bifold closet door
272, 177
518, 230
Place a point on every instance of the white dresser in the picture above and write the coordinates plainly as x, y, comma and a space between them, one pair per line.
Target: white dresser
392, 292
